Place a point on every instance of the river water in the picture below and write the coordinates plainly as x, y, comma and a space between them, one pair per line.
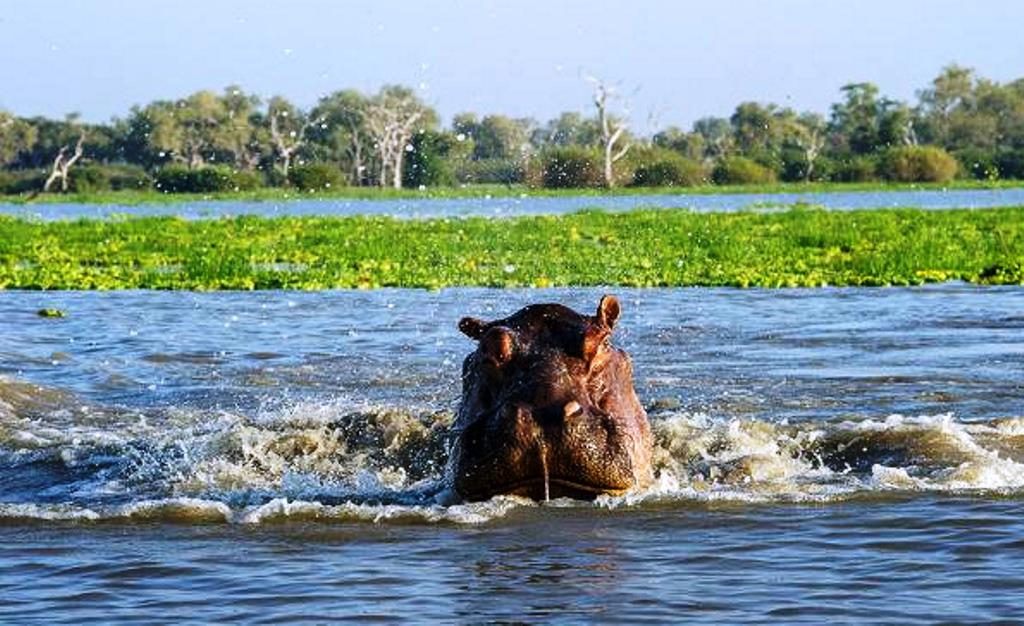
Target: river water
829, 454
421, 208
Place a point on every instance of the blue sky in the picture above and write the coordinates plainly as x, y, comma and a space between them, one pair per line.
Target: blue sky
678, 60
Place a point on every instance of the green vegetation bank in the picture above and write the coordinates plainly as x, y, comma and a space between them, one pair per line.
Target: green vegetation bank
801, 248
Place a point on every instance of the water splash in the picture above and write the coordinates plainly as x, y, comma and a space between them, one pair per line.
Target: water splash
65, 459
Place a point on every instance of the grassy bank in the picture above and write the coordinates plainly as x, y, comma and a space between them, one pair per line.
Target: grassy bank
642, 248
280, 194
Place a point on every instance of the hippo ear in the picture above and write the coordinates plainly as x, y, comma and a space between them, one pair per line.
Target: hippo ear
608, 311
472, 327
498, 344
593, 338
595, 334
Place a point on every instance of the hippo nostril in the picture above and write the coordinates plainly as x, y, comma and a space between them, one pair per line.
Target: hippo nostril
572, 409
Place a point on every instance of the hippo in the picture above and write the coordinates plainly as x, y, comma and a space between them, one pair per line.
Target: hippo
548, 409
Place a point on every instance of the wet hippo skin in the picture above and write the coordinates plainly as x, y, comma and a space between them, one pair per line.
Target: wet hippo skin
548, 408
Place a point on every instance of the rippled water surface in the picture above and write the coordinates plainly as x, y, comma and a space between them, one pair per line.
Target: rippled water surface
825, 454
505, 207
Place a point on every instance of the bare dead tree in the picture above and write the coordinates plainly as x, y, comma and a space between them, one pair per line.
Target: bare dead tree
612, 129
249, 155
287, 144
812, 147
62, 164
391, 121
355, 150
811, 140
909, 134
807, 132
193, 147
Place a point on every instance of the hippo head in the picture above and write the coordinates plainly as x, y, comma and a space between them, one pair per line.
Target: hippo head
548, 408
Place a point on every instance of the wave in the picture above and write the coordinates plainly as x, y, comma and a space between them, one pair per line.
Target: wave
278, 510
755, 460
62, 458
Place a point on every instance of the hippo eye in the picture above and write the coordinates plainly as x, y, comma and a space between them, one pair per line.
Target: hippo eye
498, 345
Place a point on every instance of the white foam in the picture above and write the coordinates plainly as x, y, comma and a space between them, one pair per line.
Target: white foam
180, 509
46, 512
297, 453
282, 509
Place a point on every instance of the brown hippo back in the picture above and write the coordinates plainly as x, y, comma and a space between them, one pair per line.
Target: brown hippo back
548, 408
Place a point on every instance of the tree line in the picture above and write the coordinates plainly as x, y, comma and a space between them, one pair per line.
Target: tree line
961, 125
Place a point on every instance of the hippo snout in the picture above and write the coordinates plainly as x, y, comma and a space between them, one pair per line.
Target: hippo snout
543, 453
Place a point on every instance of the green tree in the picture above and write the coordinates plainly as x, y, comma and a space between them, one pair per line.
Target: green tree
66, 144
238, 138
716, 136
495, 136
804, 140
756, 128
190, 132
434, 158
49, 136
338, 133
393, 115
897, 124
16, 136
568, 129
1009, 108
855, 120
763, 132
689, 145
950, 92
203, 127
179, 131
288, 131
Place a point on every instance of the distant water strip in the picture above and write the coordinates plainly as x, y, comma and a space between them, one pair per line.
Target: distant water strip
530, 205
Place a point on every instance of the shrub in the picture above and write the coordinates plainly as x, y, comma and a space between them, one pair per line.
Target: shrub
179, 179
1011, 164
770, 159
912, 164
241, 180
274, 177
124, 176
571, 167
7, 180
433, 159
978, 164
21, 181
794, 167
737, 170
669, 170
315, 177
176, 179
858, 169
88, 179
494, 171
